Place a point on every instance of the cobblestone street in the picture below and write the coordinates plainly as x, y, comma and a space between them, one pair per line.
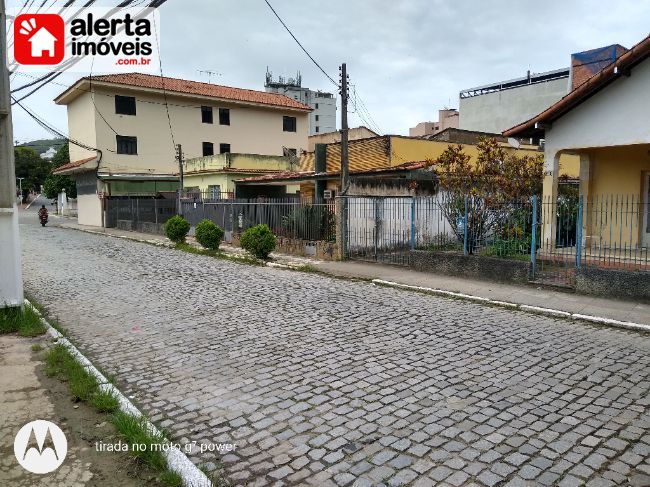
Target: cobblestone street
333, 382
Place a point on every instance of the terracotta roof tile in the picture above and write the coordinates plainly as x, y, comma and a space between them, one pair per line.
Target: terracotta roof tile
177, 85
74, 164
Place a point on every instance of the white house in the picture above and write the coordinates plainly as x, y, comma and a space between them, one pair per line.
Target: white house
42, 41
49, 154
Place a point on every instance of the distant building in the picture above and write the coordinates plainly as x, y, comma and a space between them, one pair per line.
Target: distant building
49, 154
447, 118
498, 106
323, 117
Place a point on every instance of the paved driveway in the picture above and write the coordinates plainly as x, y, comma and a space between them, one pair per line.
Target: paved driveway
328, 381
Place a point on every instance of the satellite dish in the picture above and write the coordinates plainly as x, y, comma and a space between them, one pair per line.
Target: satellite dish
514, 142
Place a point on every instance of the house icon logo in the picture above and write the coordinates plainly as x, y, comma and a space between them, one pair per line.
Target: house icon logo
39, 39
40, 447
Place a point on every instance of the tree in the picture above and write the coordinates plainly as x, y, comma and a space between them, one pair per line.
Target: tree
31, 167
55, 183
493, 192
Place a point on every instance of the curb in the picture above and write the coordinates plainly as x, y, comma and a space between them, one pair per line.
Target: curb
554, 313
177, 461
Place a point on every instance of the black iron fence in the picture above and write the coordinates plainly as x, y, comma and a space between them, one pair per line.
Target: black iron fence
287, 217
139, 213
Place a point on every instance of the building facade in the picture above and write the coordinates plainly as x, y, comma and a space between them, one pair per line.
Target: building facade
447, 118
127, 126
323, 116
498, 106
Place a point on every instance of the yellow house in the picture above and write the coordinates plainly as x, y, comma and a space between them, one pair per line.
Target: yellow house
605, 123
386, 156
215, 175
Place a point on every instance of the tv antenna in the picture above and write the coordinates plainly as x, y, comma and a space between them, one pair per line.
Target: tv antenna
209, 73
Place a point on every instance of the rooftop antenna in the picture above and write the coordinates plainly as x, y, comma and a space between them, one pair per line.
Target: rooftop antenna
209, 73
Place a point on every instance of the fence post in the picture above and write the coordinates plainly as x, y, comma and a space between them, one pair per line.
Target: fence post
465, 227
155, 211
533, 239
579, 234
413, 223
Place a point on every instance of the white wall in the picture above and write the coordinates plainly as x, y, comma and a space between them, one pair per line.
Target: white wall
89, 210
617, 115
501, 110
11, 290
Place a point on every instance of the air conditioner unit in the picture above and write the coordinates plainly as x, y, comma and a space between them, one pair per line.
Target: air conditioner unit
328, 194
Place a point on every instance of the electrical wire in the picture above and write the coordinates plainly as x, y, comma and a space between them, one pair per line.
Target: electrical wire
162, 79
299, 44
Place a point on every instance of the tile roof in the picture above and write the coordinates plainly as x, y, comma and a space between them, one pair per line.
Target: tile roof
593, 85
177, 85
73, 165
292, 175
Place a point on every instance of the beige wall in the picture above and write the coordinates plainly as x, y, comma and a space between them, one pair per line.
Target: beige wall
89, 210
252, 129
81, 127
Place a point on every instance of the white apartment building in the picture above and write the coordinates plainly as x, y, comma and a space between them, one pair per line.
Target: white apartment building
323, 116
131, 124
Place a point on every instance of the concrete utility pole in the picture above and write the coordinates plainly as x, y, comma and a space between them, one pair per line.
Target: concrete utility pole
11, 282
179, 158
342, 201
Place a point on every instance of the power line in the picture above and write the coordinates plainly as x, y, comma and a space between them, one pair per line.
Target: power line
299, 44
162, 79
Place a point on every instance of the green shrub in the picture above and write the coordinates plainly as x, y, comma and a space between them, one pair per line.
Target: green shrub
258, 241
208, 235
177, 228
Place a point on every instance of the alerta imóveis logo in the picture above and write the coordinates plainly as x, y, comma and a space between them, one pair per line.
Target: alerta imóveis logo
96, 39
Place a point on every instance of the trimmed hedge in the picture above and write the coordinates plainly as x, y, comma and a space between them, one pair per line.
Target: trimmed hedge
208, 234
258, 241
176, 229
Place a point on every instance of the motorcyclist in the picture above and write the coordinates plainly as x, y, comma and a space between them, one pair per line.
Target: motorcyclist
42, 215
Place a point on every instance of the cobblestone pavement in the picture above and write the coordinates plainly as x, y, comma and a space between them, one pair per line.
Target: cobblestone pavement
332, 382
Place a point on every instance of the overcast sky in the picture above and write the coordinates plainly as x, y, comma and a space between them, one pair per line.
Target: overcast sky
407, 58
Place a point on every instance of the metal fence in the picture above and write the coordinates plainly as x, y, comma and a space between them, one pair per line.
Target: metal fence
557, 237
144, 214
287, 217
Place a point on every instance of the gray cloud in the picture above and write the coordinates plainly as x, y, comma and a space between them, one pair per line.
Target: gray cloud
406, 58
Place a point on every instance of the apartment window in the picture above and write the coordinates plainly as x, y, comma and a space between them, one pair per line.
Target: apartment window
316, 117
224, 116
317, 129
206, 114
224, 148
289, 124
125, 105
208, 149
127, 145
316, 106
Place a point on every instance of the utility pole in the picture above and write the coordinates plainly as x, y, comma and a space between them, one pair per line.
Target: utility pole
179, 158
11, 283
342, 201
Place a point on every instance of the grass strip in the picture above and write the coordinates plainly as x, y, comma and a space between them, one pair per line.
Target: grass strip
22, 320
59, 362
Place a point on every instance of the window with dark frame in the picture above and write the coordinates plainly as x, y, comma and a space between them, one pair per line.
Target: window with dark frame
224, 148
206, 114
317, 128
125, 105
291, 152
288, 124
127, 144
208, 149
316, 106
316, 117
224, 116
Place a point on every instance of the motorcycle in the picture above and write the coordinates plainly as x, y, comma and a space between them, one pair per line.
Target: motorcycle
42, 217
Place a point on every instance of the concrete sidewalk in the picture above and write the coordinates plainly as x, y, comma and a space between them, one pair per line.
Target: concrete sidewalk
522, 295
